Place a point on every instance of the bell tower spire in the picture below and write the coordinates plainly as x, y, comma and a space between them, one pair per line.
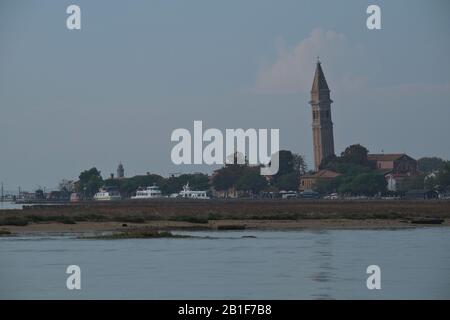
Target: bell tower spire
322, 126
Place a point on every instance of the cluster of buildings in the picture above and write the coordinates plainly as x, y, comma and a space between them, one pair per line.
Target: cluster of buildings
395, 167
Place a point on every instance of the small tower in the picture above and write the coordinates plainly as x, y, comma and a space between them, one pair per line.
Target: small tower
120, 171
322, 126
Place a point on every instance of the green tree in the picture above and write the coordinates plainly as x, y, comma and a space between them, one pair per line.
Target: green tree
444, 176
326, 186
285, 166
227, 176
431, 183
286, 162
171, 185
197, 181
368, 184
89, 182
223, 179
355, 154
251, 181
329, 162
430, 164
412, 183
299, 163
66, 187
288, 182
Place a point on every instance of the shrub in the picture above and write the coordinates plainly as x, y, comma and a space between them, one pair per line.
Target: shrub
14, 221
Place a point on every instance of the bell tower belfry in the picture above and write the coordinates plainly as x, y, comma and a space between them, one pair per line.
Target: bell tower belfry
322, 126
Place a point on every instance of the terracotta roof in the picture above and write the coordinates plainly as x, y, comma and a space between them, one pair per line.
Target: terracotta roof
384, 156
323, 174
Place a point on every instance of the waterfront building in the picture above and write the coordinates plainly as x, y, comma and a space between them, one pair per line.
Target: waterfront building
395, 167
308, 181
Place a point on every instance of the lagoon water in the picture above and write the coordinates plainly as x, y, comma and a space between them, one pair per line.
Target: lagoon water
9, 205
328, 264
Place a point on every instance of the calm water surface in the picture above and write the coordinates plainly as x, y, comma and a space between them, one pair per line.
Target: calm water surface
10, 205
276, 265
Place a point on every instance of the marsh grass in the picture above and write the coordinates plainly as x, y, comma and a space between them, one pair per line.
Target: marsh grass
191, 219
5, 232
138, 235
13, 221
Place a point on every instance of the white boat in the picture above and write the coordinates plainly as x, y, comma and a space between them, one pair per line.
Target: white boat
288, 194
148, 193
192, 194
107, 195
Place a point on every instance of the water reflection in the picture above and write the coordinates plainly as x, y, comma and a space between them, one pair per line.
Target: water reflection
275, 265
322, 259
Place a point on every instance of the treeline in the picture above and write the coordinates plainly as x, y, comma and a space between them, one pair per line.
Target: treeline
241, 177
90, 181
358, 176
249, 181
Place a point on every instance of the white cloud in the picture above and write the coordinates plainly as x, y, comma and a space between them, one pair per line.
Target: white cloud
293, 69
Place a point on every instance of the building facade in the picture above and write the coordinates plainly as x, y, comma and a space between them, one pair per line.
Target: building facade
308, 181
322, 125
397, 163
395, 167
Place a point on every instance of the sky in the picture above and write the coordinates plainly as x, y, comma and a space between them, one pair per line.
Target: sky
137, 70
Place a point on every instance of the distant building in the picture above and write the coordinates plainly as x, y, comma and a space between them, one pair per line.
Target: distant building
307, 182
224, 194
399, 163
75, 197
120, 171
395, 167
322, 126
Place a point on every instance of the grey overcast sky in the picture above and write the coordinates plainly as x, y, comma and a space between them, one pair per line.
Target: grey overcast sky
116, 89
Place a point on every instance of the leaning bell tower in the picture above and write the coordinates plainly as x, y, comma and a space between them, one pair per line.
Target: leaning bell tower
322, 126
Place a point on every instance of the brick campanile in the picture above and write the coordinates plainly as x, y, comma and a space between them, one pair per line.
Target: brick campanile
322, 126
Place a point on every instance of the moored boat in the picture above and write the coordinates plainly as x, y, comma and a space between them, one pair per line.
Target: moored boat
107, 194
192, 194
148, 193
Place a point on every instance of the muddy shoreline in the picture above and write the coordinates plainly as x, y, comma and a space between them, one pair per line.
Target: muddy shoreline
223, 215
90, 227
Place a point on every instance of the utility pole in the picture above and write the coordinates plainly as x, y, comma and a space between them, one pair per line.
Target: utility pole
3, 196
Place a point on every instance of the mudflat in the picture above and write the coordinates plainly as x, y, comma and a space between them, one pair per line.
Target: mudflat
173, 214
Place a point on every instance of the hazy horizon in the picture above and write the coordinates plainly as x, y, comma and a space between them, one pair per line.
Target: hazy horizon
116, 89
